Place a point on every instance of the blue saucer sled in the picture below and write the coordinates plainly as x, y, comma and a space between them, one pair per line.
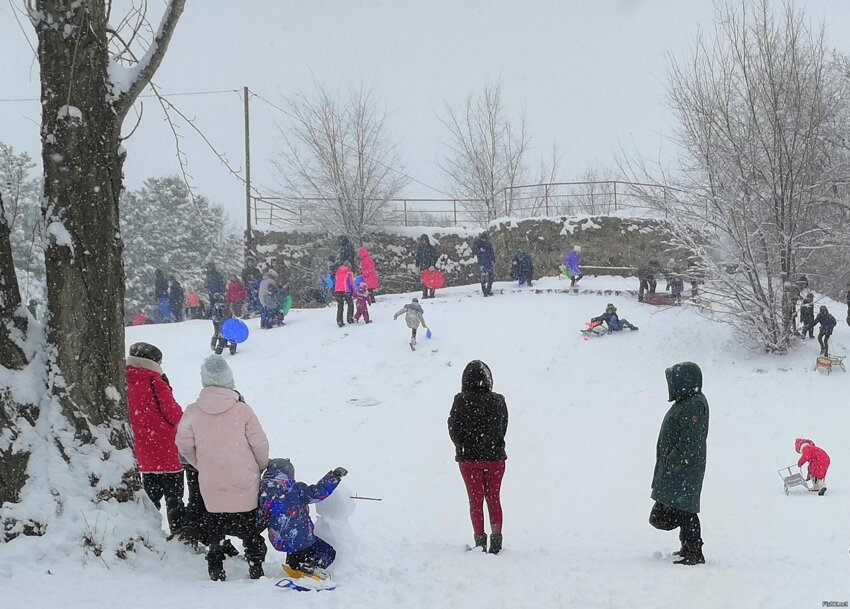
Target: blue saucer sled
234, 330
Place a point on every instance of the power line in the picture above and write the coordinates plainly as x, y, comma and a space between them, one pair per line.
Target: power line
179, 94
266, 101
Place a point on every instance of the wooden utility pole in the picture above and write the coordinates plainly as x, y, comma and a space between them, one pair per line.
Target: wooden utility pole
248, 244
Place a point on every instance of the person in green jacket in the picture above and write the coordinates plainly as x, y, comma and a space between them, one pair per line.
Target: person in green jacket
680, 461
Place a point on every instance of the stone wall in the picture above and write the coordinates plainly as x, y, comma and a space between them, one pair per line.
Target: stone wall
301, 257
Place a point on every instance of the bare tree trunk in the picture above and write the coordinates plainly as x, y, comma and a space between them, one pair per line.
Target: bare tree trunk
13, 328
13, 323
82, 113
82, 182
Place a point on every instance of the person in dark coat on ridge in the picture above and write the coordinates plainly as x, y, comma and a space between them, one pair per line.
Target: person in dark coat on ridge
251, 278
477, 426
176, 296
483, 250
522, 268
160, 287
680, 462
426, 257
214, 281
827, 325
346, 252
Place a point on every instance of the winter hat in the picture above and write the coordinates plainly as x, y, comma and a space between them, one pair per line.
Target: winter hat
415, 300
146, 351
284, 466
216, 373
683, 379
477, 377
577, 249
799, 443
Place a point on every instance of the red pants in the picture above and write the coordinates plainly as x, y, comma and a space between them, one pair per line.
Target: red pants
483, 480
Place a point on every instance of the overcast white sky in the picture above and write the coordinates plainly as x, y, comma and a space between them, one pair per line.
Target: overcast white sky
589, 74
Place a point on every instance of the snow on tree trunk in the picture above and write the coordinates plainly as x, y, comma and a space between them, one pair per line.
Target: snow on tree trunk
78, 437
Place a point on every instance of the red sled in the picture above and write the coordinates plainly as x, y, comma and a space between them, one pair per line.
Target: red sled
661, 299
433, 279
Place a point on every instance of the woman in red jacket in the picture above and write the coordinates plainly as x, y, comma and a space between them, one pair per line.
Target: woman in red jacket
154, 415
818, 462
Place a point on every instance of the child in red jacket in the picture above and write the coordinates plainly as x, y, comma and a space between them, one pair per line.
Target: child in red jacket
154, 416
818, 462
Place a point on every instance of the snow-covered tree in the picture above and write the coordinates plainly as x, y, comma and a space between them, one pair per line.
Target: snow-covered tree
21, 193
762, 107
65, 443
486, 154
164, 228
338, 163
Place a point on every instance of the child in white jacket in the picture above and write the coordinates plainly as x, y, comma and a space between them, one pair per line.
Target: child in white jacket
414, 316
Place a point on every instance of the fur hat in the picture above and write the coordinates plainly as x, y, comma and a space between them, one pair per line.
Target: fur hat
216, 373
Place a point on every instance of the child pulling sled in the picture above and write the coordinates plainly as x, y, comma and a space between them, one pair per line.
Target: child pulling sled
818, 462
414, 316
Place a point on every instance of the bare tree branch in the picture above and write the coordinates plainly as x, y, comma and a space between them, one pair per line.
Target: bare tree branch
149, 64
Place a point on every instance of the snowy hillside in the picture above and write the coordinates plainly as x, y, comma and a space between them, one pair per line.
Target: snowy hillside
584, 418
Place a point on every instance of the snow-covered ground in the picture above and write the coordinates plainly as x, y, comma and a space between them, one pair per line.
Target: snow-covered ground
584, 421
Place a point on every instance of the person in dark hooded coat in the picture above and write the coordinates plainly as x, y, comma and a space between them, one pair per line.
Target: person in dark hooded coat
827, 325
680, 461
483, 250
346, 251
477, 426
176, 296
522, 268
160, 286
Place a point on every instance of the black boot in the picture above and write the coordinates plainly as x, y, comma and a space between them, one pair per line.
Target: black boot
255, 569
216, 571
229, 549
495, 543
691, 554
481, 542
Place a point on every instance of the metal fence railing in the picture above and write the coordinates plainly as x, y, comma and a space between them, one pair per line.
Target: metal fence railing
525, 201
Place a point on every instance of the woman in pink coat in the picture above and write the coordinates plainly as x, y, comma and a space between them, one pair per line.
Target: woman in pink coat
220, 435
367, 269
818, 462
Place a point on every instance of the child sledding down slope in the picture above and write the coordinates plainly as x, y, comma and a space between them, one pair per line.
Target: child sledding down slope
414, 316
610, 317
285, 511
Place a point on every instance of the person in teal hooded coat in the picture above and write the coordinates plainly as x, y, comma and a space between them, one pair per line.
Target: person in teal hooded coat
680, 461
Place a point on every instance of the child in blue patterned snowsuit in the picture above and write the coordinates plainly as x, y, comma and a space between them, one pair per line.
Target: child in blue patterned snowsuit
285, 511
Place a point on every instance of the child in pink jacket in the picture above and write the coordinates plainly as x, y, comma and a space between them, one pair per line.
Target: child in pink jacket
362, 296
818, 462
220, 436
